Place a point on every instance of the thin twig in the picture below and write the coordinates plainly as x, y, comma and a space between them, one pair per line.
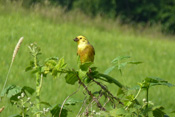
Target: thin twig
87, 107
82, 106
106, 102
78, 115
91, 104
67, 99
104, 88
98, 98
89, 92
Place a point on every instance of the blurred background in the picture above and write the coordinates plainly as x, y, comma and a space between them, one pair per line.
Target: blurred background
146, 12
142, 29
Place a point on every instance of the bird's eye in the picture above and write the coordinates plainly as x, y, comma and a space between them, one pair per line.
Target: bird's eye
80, 38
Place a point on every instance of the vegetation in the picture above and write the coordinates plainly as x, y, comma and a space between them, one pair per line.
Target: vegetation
146, 12
55, 36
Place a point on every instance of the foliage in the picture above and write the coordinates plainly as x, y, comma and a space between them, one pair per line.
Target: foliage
145, 11
101, 100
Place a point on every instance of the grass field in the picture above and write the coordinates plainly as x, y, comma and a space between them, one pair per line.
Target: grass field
55, 34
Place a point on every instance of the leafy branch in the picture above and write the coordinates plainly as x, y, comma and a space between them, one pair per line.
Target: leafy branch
125, 103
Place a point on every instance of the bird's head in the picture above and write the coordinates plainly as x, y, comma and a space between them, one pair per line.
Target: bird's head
81, 40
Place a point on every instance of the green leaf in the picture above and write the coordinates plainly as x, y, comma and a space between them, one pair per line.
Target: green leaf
134, 88
45, 103
103, 114
13, 90
5, 91
52, 58
120, 91
37, 69
111, 80
165, 84
28, 89
51, 64
85, 66
120, 58
71, 78
109, 70
153, 81
60, 64
173, 111
72, 101
93, 68
118, 112
129, 100
55, 110
57, 70
120, 66
82, 74
121, 111
158, 111
54, 72
135, 62
28, 68
16, 115
94, 74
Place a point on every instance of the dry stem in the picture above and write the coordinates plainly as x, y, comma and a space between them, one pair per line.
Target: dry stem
13, 58
67, 99
104, 88
93, 97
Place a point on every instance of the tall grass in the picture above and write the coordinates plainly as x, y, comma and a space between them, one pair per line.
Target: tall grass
54, 30
13, 58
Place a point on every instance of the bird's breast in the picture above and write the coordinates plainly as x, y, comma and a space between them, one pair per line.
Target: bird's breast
81, 47
86, 52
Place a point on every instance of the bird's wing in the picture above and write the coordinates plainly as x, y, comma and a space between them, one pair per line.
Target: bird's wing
93, 49
89, 49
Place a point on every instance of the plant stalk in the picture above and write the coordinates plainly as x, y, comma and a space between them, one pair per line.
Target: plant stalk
137, 94
147, 91
6, 79
23, 113
38, 86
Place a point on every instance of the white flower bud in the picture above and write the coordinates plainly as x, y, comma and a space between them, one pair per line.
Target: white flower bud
30, 103
22, 95
28, 98
151, 103
19, 97
144, 100
47, 110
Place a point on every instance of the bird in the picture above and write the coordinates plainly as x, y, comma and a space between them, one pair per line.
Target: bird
85, 50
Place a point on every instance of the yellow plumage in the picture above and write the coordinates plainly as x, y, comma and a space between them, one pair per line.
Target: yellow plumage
85, 49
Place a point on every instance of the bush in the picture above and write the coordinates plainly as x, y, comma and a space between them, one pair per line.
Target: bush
144, 11
167, 17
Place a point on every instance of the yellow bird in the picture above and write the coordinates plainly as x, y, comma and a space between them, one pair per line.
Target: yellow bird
85, 49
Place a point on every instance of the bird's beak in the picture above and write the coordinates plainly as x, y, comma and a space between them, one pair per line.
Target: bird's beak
76, 39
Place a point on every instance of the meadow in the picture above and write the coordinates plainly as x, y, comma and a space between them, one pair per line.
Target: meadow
54, 31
